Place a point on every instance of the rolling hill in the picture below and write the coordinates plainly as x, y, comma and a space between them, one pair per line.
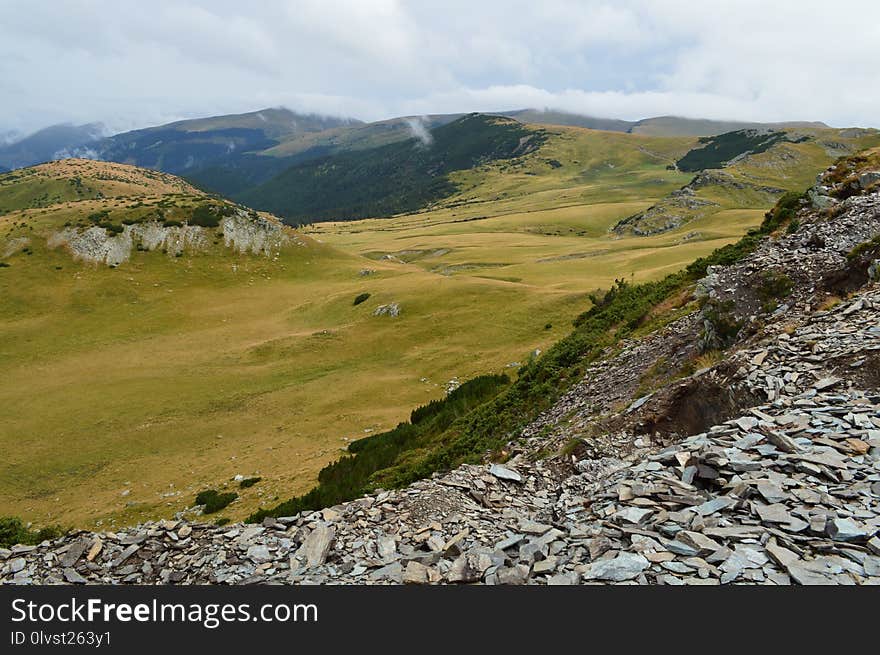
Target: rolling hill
394, 178
658, 126
678, 126
193, 144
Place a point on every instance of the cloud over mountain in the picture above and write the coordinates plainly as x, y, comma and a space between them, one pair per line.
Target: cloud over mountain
129, 64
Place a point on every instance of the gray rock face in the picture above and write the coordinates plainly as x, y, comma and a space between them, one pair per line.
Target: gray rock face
242, 231
868, 179
77, 548
820, 200
469, 567
504, 473
846, 530
513, 575
258, 554
252, 233
392, 310
97, 245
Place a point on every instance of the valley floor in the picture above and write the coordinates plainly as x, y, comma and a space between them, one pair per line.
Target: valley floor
784, 493
125, 392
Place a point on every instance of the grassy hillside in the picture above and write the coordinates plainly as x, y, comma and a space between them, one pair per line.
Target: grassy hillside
391, 179
358, 137
73, 180
717, 151
678, 126
746, 170
275, 123
239, 173
545, 219
555, 117
669, 126
484, 414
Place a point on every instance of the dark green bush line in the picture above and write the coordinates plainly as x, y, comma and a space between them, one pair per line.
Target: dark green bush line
209, 215
361, 297
471, 391
482, 415
204, 215
13, 531
351, 476
214, 501
249, 482
718, 150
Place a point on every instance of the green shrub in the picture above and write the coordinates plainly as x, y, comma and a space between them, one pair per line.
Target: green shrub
206, 215
783, 212
864, 248
361, 297
249, 482
13, 531
214, 501
719, 315
774, 285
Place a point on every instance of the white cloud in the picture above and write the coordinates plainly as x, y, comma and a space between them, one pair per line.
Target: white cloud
420, 131
130, 63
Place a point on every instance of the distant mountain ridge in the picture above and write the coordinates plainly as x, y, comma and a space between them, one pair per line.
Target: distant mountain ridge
54, 142
183, 145
309, 167
656, 126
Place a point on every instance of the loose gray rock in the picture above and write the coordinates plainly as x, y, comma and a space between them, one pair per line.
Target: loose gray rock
625, 566
316, 546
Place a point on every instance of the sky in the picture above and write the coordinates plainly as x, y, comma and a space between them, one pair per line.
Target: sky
129, 63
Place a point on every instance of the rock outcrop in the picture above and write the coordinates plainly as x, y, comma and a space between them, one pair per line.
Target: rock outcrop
250, 232
684, 205
242, 231
97, 245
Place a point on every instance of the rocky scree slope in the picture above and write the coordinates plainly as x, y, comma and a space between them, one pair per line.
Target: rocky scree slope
763, 468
